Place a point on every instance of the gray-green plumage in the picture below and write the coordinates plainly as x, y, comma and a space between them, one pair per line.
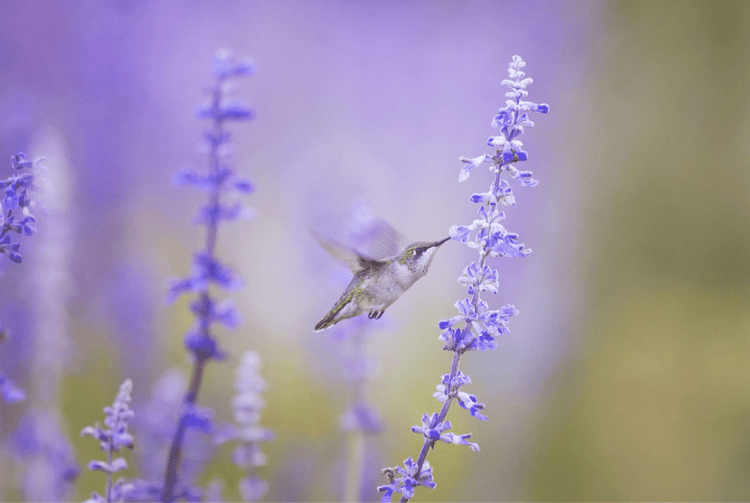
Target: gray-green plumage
377, 283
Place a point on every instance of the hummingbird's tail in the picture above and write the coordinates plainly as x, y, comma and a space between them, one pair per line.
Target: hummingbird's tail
326, 322
335, 315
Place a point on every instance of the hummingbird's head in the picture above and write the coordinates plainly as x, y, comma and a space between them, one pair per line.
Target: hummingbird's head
418, 256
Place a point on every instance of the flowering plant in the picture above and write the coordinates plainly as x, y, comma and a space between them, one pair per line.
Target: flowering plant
220, 180
476, 326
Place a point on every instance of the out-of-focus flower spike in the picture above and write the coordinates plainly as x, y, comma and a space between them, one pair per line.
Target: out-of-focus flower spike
113, 438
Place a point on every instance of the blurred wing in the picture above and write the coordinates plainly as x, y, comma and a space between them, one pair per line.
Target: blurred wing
351, 258
377, 239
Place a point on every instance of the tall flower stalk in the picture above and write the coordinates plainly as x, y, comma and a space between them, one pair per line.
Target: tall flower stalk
476, 326
219, 182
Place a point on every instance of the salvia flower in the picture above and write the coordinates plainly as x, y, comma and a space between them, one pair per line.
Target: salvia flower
223, 186
248, 405
432, 429
405, 480
16, 217
476, 326
112, 438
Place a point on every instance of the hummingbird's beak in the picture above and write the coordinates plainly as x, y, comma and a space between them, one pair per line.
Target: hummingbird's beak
438, 243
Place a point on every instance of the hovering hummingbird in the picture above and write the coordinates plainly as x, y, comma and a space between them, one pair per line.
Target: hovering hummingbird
377, 283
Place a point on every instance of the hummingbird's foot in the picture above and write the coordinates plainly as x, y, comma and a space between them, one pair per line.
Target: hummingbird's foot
375, 315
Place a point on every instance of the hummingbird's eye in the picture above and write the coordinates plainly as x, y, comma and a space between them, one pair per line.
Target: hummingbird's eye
418, 251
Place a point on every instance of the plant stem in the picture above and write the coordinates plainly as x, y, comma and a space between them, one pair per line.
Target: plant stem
109, 474
173, 462
353, 480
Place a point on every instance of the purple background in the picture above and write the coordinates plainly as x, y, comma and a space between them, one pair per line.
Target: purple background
643, 188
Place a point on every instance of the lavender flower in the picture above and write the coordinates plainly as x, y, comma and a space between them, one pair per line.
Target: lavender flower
248, 404
220, 181
476, 326
111, 440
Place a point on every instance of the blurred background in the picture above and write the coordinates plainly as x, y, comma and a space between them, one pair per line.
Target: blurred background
625, 376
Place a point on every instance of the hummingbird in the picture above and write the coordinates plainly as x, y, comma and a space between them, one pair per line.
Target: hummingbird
377, 283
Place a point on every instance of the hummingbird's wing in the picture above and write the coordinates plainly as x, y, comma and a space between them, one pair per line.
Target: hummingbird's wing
351, 258
376, 239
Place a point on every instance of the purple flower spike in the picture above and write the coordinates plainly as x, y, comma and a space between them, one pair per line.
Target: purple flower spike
476, 327
208, 271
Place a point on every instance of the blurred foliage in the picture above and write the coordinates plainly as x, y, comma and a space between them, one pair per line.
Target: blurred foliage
656, 404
